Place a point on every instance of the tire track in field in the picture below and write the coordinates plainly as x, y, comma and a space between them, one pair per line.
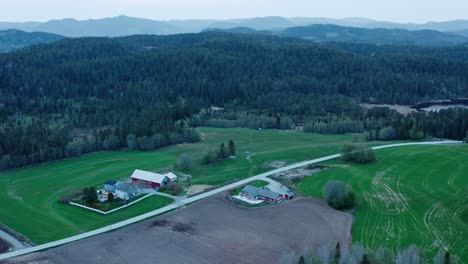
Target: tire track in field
252, 164
47, 205
438, 215
395, 202
426, 197
384, 229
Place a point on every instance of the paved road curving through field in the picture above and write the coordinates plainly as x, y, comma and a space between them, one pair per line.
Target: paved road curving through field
185, 201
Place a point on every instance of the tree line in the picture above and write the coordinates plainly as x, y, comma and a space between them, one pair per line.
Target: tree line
356, 253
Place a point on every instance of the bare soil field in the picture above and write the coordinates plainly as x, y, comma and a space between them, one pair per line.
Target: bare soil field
402, 109
198, 188
213, 231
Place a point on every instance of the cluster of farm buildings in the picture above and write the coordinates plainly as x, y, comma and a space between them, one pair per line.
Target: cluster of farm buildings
140, 180
270, 193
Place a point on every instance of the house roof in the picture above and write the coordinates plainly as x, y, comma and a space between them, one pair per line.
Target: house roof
171, 176
281, 189
148, 176
262, 191
251, 190
265, 192
125, 187
110, 182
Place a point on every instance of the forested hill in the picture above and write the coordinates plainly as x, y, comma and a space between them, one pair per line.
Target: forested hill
379, 36
17, 39
144, 92
376, 36
218, 68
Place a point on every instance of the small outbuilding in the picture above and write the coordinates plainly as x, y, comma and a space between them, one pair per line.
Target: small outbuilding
150, 179
172, 177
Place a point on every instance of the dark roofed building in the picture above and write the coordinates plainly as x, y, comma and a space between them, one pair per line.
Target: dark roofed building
283, 190
261, 193
110, 185
125, 190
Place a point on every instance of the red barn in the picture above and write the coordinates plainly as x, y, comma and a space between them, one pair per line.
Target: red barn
151, 179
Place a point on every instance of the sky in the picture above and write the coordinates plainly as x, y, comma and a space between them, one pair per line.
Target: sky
416, 11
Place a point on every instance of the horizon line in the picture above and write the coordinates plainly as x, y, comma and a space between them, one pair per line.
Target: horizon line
227, 19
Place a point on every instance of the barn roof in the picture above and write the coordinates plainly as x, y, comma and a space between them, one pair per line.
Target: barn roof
148, 176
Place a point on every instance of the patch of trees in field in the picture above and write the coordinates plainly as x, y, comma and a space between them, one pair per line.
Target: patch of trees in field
356, 253
90, 196
339, 195
152, 97
358, 153
222, 153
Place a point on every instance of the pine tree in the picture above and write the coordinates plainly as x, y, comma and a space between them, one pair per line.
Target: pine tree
365, 260
232, 148
91, 198
301, 260
447, 258
337, 252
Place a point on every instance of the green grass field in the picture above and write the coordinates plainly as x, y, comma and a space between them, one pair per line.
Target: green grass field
29, 197
412, 195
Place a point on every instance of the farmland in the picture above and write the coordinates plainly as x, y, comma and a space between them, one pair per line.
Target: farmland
30, 196
412, 195
230, 234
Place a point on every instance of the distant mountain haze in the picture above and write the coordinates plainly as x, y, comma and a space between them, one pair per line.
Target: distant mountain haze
349, 30
16, 39
380, 36
109, 27
124, 25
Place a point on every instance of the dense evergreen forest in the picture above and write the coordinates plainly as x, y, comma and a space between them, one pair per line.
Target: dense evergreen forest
142, 92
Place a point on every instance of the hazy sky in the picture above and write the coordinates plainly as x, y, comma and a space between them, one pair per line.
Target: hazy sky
390, 10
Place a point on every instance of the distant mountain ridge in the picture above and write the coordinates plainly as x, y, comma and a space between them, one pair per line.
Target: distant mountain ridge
379, 36
124, 25
17, 39
334, 33
107, 27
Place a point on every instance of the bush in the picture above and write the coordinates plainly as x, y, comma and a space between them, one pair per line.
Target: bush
387, 133
110, 197
185, 162
339, 195
210, 157
358, 153
173, 188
